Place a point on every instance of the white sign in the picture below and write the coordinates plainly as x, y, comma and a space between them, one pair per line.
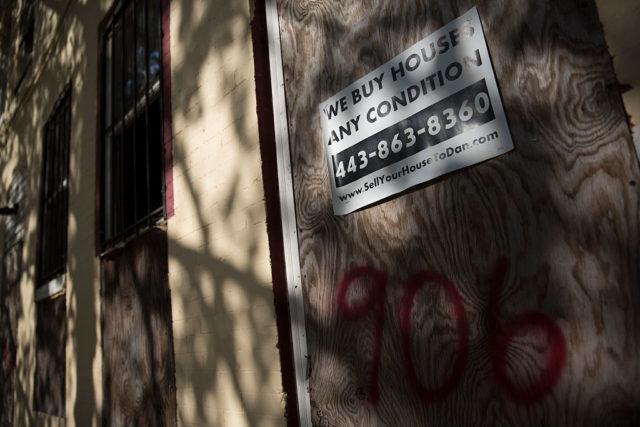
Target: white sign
432, 109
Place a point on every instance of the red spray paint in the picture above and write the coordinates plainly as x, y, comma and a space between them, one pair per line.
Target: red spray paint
499, 343
499, 340
375, 301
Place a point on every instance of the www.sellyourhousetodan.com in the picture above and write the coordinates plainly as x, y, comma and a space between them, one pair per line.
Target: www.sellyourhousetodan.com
408, 169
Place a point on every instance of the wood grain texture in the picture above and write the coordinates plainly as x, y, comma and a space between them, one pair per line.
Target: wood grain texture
10, 312
138, 367
562, 208
50, 374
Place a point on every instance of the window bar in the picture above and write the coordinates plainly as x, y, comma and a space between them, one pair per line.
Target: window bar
146, 102
50, 205
41, 206
121, 183
55, 148
65, 160
133, 229
134, 95
109, 168
106, 118
58, 196
54, 191
132, 30
50, 211
45, 202
161, 104
107, 64
56, 199
47, 167
116, 119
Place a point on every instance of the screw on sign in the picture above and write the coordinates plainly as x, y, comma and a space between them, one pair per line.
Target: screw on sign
499, 339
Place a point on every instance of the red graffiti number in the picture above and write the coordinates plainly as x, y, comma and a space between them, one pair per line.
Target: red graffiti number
499, 340
374, 301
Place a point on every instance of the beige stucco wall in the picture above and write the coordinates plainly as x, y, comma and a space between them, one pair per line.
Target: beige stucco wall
227, 363
227, 366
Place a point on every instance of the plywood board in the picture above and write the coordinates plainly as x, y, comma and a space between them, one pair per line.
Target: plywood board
500, 294
138, 367
10, 312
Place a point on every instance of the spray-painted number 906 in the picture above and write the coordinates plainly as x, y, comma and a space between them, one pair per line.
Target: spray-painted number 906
499, 339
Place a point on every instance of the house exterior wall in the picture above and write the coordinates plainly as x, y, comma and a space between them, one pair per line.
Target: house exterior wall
227, 367
65, 36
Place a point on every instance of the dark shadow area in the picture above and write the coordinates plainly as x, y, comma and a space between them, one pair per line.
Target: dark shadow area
10, 311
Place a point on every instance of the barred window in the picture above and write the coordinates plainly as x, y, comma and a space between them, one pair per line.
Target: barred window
54, 205
132, 163
51, 327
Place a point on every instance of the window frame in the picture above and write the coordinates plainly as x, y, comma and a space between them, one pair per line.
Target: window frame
51, 281
103, 243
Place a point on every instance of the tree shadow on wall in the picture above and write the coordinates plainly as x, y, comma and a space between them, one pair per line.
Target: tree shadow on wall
521, 205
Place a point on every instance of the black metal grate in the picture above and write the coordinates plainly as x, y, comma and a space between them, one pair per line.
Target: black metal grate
132, 187
54, 206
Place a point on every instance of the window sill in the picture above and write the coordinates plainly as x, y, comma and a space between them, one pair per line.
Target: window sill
52, 288
160, 223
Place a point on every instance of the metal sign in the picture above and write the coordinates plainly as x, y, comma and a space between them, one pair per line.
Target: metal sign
432, 109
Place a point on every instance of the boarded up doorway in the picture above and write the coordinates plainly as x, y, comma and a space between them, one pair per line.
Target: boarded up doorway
501, 294
10, 312
138, 370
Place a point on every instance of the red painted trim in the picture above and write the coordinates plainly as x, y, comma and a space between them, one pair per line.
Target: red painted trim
266, 134
166, 107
